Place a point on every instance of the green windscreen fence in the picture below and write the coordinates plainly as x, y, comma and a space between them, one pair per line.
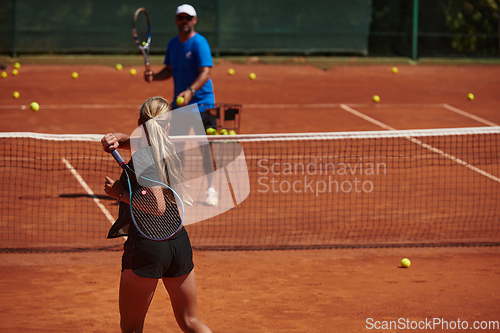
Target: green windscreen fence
445, 28
258, 26
294, 26
403, 28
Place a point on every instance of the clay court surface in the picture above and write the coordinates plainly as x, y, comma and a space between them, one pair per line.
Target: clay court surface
261, 291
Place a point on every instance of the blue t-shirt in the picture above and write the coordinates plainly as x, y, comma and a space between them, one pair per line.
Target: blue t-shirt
185, 59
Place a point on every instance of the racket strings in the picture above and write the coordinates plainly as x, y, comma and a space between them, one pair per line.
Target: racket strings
153, 221
141, 27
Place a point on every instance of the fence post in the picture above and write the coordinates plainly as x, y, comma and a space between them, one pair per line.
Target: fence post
14, 28
217, 28
415, 31
498, 17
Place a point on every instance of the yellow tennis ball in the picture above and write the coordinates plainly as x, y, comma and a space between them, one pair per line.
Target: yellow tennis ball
376, 98
470, 96
15, 94
230, 71
74, 75
17, 65
252, 76
15, 72
223, 131
34, 106
143, 43
119, 67
133, 71
405, 263
4, 75
179, 100
394, 70
211, 131
232, 132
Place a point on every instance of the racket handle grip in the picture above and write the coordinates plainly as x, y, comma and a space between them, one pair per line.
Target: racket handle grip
118, 157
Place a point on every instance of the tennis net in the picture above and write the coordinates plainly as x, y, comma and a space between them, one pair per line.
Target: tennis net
315, 190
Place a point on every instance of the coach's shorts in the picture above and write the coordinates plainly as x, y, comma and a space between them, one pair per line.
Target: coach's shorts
181, 125
152, 259
208, 121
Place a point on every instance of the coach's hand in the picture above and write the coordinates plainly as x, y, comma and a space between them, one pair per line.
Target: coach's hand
148, 76
188, 96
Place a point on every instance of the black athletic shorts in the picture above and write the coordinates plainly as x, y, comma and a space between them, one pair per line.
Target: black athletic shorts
182, 125
208, 121
153, 259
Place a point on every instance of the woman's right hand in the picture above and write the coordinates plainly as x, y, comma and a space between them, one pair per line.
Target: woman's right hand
109, 142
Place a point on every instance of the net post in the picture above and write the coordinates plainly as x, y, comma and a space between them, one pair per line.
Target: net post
415, 31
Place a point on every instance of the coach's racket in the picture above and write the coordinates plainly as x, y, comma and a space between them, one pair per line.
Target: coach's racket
141, 30
154, 209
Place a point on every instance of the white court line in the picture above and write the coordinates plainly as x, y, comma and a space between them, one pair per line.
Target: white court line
246, 106
290, 106
259, 106
72, 106
410, 106
111, 106
454, 159
424, 145
367, 118
467, 114
87, 188
333, 106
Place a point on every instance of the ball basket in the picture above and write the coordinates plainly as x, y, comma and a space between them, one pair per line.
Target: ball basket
228, 116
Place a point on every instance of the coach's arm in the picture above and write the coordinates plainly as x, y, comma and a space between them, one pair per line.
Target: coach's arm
164, 74
205, 73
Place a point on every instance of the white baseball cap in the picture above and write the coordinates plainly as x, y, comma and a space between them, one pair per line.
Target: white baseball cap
187, 9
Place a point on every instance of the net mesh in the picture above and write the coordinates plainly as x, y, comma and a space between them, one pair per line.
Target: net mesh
359, 189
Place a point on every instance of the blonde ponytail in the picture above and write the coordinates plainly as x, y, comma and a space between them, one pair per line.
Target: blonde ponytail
155, 116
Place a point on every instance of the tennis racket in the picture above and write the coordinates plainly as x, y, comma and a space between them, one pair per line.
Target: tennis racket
141, 30
154, 209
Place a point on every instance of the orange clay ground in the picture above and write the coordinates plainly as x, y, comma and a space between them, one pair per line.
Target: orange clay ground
275, 291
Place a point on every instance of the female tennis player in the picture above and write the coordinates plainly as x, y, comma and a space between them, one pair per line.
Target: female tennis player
145, 261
